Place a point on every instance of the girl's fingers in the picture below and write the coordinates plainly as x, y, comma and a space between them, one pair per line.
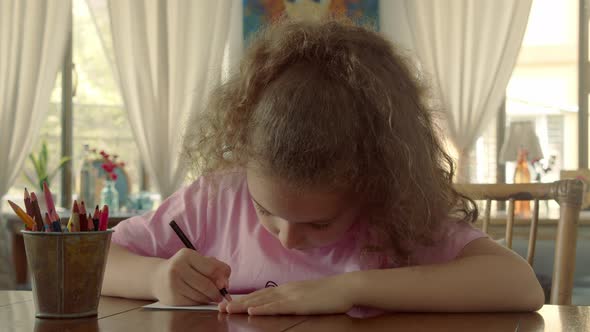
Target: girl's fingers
189, 294
255, 299
185, 300
208, 266
273, 308
202, 284
222, 306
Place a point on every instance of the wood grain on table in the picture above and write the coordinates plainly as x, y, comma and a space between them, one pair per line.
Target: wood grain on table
17, 313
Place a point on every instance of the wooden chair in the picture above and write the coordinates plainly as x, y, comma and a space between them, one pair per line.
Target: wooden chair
568, 194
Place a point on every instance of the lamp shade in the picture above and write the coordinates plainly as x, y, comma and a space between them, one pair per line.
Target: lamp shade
521, 135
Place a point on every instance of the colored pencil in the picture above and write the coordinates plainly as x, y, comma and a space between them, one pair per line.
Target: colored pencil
80, 220
96, 218
70, 221
90, 223
37, 212
28, 205
55, 222
82, 207
83, 221
47, 225
48, 198
103, 223
75, 222
22, 215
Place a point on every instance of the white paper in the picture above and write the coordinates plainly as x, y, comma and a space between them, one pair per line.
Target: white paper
209, 307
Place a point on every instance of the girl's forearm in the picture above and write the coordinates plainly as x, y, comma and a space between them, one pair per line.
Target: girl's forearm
499, 283
129, 275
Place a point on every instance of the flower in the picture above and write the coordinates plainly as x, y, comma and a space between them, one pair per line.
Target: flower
109, 165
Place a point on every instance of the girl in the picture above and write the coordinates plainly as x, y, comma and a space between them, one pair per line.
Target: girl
324, 187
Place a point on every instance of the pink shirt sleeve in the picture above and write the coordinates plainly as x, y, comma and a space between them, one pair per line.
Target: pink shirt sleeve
151, 234
456, 235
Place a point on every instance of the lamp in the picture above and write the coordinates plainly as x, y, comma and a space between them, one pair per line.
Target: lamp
520, 144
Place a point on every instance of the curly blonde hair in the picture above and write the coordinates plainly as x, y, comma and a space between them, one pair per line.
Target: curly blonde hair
331, 103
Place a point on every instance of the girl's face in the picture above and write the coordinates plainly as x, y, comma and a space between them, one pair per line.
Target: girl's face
301, 218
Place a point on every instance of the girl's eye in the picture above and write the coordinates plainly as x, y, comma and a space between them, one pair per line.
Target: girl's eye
320, 226
261, 210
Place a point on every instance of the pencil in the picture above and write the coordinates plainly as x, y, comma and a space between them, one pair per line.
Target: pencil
82, 207
188, 244
75, 222
103, 222
48, 198
47, 225
70, 221
22, 215
37, 212
28, 205
96, 218
55, 223
90, 223
83, 221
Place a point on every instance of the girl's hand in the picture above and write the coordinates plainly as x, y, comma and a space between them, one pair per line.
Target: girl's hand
188, 278
330, 295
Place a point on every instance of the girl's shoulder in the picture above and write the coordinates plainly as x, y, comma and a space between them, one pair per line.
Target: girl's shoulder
219, 183
452, 237
220, 193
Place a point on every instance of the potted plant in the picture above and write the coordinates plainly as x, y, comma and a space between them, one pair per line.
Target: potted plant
41, 168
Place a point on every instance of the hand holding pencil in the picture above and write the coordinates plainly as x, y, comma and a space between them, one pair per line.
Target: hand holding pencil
189, 278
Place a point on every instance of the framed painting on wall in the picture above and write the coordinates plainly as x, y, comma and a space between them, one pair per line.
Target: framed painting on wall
257, 13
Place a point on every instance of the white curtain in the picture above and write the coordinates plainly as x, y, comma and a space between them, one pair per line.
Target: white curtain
168, 55
469, 49
33, 36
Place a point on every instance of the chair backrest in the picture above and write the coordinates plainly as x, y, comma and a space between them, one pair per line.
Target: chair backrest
568, 194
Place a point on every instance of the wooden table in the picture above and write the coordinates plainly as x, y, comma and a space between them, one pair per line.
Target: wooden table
17, 313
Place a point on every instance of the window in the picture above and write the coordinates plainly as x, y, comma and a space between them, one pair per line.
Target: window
50, 133
99, 117
543, 90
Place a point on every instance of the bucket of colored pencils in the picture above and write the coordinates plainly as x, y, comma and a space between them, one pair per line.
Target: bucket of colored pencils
66, 262
67, 270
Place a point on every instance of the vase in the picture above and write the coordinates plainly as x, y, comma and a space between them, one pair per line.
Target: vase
522, 175
109, 196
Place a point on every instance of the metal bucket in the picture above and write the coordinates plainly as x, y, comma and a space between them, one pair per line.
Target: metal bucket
67, 270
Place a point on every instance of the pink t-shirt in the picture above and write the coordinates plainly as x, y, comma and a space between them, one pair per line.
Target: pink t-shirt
220, 220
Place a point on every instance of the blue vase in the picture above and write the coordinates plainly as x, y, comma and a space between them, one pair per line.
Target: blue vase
109, 196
